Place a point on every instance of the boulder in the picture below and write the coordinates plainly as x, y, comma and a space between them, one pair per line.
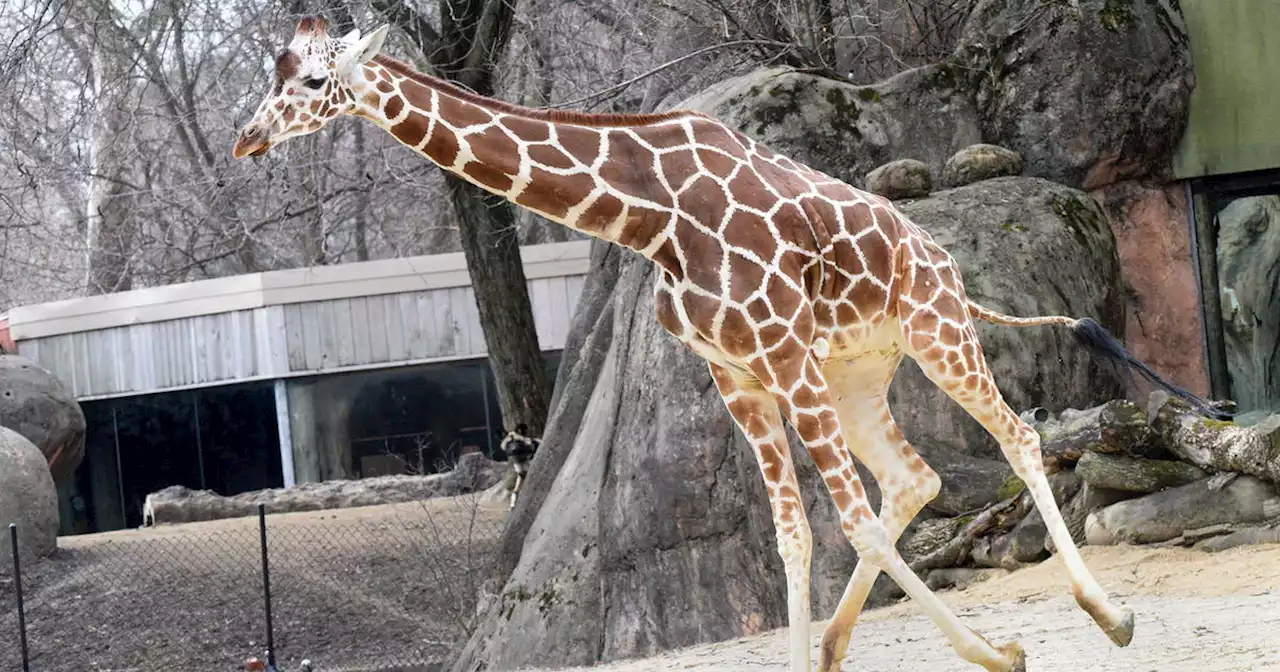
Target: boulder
1087, 96
960, 578
1249, 288
1022, 545
968, 483
1024, 246
38, 406
28, 497
904, 178
177, 504
655, 532
976, 163
1167, 514
847, 130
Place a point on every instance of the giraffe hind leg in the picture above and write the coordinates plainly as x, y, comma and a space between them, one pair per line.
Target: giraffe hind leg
801, 390
907, 484
951, 357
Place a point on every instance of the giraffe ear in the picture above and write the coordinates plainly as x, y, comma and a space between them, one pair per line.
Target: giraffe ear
362, 50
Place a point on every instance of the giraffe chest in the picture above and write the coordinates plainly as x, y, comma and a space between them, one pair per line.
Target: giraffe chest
706, 324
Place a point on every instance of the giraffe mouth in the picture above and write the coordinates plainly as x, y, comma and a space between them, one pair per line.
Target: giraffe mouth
250, 146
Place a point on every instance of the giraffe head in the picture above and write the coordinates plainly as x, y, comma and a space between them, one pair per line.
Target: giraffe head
313, 84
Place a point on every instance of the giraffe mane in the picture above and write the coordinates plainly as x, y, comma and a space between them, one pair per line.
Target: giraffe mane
536, 114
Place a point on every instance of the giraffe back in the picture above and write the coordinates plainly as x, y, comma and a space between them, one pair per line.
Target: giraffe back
764, 252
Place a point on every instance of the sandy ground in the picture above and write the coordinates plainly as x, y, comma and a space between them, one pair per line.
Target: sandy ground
1195, 612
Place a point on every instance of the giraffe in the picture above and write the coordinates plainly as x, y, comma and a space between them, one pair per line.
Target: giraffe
802, 293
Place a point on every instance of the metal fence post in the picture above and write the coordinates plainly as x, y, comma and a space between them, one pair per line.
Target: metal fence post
266, 584
17, 587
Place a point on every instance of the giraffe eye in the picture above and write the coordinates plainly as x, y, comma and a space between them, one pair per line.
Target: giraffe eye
314, 82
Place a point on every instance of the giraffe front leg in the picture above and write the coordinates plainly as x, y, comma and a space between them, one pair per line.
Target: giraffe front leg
810, 406
756, 414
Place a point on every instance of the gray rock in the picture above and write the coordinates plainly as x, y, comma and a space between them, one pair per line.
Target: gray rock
968, 483
1247, 537
1025, 246
1087, 98
38, 406
897, 180
1167, 514
656, 531
177, 504
1024, 544
846, 130
1086, 501
960, 578
1249, 288
28, 498
980, 162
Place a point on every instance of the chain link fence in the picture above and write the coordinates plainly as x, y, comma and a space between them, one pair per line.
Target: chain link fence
390, 588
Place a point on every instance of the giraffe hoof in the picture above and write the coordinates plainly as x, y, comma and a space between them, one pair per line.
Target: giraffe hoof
1122, 633
1015, 655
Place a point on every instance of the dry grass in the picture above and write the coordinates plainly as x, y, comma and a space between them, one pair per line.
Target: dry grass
371, 588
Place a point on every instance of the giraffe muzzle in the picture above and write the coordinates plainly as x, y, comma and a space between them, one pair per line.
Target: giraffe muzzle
252, 142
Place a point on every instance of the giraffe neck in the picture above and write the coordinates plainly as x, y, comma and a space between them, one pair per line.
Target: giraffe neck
586, 172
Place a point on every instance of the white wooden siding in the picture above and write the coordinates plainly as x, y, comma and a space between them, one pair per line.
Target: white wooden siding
289, 340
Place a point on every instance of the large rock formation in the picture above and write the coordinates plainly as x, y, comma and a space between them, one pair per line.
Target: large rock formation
655, 532
177, 504
1119, 117
28, 498
38, 406
1111, 127
1026, 246
846, 130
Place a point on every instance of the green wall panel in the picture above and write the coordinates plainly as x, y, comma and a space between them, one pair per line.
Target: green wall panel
1235, 109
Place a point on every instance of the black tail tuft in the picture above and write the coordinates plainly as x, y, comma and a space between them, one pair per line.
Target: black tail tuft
1094, 337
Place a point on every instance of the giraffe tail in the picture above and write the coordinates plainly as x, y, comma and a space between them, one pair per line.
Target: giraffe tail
1098, 340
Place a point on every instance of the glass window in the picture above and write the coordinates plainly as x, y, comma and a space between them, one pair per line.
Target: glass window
1246, 236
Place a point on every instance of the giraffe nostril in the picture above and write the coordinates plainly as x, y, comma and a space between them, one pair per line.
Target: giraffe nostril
251, 132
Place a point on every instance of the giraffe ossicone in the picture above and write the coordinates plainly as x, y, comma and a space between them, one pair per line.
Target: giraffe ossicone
802, 292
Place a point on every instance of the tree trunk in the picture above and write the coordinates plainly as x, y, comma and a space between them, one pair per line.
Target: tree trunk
1135, 474
362, 207
487, 227
1216, 445
1114, 427
109, 235
472, 38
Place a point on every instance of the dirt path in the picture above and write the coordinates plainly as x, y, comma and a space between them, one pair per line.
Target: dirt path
1196, 613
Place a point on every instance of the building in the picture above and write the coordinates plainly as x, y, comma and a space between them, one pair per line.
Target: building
270, 379
1229, 165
